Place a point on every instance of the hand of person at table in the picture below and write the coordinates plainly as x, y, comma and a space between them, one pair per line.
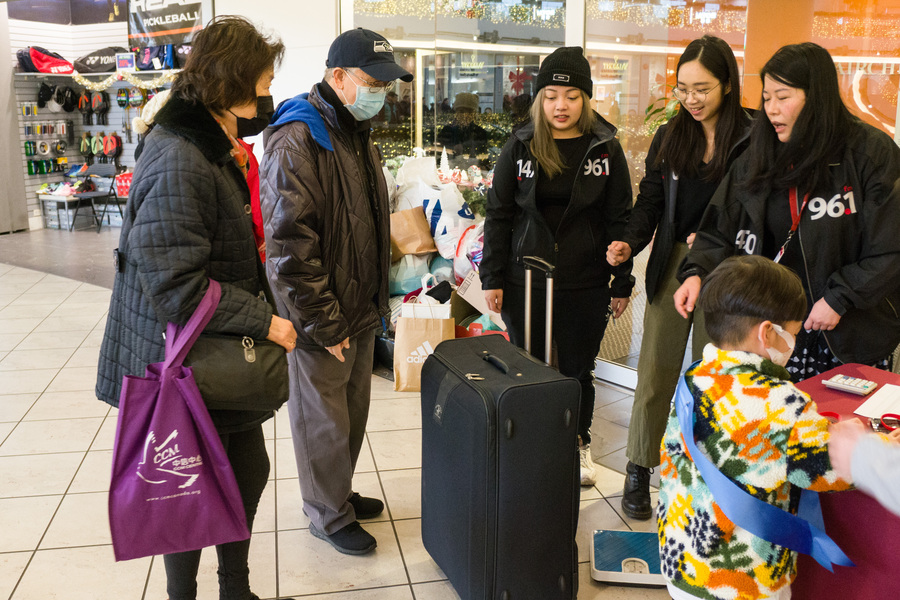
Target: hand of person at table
338, 350
617, 306
494, 299
282, 332
895, 435
690, 240
821, 317
843, 438
617, 253
686, 296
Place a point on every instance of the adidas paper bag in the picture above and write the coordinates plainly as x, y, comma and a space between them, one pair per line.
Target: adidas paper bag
414, 341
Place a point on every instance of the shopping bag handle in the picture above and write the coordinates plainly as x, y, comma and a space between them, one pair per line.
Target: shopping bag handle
179, 341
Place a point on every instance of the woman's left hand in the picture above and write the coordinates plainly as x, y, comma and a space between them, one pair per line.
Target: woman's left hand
618, 306
282, 332
821, 317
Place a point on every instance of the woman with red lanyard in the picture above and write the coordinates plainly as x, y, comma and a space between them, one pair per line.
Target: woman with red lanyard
816, 190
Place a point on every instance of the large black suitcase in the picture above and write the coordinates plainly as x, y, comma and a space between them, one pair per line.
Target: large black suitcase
500, 471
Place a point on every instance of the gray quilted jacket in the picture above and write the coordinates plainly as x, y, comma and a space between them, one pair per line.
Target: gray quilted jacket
187, 220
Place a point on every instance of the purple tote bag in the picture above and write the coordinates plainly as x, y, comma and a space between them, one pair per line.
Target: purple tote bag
172, 486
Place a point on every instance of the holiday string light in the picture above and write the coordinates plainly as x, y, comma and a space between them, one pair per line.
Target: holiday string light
883, 30
482, 10
102, 84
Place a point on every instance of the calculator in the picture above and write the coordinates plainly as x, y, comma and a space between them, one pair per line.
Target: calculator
854, 385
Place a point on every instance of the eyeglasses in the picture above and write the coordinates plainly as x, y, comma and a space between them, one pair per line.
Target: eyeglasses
371, 86
700, 95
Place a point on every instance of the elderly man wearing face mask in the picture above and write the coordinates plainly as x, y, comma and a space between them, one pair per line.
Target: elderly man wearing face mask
325, 208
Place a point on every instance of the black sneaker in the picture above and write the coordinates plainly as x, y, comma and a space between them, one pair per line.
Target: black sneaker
366, 508
636, 499
350, 539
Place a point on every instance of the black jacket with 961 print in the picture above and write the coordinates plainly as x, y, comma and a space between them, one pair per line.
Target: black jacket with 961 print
596, 215
849, 237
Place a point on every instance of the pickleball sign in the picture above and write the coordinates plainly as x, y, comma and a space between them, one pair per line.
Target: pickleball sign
160, 22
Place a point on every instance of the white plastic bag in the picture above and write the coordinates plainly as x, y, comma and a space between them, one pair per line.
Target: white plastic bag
417, 182
469, 251
422, 169
391, 187
448, 216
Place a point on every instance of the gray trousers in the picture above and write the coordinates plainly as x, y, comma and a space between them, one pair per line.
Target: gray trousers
328, 408
659, 365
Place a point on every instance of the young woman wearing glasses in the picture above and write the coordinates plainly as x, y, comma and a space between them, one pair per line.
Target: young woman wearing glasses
687, 159
818, 190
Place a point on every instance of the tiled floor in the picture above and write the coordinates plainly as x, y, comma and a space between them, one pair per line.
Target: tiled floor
55, 454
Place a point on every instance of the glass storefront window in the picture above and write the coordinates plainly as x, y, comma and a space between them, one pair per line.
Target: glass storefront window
863, 37
475, 61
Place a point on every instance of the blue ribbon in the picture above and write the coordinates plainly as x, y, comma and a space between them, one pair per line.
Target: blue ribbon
801, 533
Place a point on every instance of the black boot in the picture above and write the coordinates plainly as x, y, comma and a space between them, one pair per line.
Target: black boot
636, 499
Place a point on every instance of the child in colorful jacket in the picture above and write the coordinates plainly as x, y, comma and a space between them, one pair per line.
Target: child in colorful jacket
755, 427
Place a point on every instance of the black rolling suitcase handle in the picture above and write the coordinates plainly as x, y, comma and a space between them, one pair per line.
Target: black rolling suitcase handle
534, 262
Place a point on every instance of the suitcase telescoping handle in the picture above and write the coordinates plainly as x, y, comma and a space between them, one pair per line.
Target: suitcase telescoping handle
534, 262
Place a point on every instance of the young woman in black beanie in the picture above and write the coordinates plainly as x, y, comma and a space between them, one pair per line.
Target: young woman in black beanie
562, 192
688, 158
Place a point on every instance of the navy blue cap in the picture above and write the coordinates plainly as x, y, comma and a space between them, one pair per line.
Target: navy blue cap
364, 49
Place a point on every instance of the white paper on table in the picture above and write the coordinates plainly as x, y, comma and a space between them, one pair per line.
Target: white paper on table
885, 400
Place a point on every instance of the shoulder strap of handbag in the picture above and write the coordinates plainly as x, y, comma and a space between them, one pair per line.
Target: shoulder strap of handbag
804, 532
180, 340
264, 283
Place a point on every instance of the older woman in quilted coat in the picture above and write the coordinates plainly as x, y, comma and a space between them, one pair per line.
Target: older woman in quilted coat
187, 221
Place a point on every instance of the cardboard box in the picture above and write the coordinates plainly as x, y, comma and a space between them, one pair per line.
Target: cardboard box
470, 291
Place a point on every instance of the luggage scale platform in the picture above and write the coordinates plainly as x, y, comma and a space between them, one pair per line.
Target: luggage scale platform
626, 558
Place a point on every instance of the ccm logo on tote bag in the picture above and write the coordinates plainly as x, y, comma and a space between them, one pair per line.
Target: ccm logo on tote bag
170, 462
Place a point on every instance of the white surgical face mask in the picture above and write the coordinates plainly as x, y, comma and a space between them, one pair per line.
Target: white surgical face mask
369, 100
777, 356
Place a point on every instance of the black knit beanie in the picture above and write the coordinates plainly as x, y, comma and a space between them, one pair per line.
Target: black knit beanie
568, 67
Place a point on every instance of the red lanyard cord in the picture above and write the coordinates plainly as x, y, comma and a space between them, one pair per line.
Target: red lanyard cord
796, 213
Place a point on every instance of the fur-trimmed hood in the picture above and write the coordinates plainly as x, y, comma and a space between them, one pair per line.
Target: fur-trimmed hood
196, 124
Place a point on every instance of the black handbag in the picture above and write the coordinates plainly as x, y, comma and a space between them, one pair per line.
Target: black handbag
235, 372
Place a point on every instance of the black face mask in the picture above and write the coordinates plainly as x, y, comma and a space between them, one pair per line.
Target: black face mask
265, 108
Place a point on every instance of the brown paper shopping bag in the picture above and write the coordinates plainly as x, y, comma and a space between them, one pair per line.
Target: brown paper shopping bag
414, 340
410, 233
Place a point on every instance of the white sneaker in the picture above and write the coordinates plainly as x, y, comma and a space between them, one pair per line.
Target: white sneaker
588, 472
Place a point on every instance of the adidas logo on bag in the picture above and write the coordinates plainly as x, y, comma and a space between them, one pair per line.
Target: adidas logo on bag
420, 354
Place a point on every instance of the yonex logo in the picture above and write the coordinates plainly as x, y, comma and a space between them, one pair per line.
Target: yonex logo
383, 46
560, 77
420, 354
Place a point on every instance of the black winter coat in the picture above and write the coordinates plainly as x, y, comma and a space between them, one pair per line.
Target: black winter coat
848, 236
327, 230
596, 215
654, 210
187, 220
